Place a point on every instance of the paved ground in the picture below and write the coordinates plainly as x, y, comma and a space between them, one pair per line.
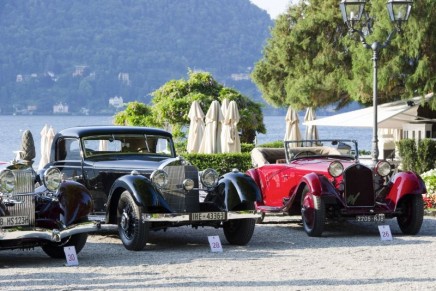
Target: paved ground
280, 256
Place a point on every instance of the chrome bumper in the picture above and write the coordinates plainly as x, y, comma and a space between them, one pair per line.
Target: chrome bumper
179, 217
54, 235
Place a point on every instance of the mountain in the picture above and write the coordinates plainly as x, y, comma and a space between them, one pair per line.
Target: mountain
82, 52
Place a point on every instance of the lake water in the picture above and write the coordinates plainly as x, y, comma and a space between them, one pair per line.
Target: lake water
14, 126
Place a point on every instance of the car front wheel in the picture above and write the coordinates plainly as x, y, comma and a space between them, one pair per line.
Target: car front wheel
56, 250
132, 231
239, 231
312, 213
412, 214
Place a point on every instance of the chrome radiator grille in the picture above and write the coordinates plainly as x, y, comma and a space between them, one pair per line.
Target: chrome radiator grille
178, 199
25, 181
359, 186
24, 206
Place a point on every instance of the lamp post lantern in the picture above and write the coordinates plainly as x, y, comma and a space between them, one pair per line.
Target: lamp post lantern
352, 13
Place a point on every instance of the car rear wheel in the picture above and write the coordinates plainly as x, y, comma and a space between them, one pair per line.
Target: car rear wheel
412, 214
132, 231
239, 231
56, 250
312, 213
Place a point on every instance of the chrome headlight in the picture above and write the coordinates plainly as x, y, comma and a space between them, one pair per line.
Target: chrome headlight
209, 178
383, 168
52, 179
7, 181
336, 169
188, 184
159, 178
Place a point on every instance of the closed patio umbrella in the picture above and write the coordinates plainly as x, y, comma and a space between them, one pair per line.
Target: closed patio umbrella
224, 107
50, 136
196, 127
211, 142
231, 142
311, 130
44, 153
292, 130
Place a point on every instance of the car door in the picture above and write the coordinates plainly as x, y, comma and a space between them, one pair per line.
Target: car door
68, 158
274, 184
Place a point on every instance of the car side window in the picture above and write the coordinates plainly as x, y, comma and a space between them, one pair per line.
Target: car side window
68, 149
163, 146
73, 149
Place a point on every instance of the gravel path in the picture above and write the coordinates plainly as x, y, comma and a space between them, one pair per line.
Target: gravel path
280, 256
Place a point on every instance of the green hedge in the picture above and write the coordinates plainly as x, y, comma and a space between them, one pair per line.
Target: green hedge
273, 144
419, 158
223, 163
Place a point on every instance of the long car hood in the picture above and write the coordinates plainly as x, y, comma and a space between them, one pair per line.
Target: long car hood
318, 165
127, 165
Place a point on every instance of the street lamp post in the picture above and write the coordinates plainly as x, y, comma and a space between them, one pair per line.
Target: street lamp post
352, 12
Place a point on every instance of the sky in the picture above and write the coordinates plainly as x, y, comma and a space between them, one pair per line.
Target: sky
273, 7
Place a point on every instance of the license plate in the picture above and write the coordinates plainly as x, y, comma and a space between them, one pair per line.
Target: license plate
200, 216
14, 221
371, 218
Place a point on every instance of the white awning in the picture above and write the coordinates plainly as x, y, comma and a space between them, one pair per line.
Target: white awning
389, 115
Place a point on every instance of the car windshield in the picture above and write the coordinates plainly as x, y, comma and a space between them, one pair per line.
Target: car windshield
305, 148
125, 144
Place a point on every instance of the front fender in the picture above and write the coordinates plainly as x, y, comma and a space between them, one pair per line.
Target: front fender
313, 183
144, 194
75, 201
238, 188
318, 186
405, 183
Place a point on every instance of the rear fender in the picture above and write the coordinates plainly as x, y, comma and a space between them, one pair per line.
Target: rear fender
405, 183
75, 202
238, 188
143, 192
254, 175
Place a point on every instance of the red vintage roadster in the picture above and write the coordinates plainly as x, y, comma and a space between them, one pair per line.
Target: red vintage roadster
326, 180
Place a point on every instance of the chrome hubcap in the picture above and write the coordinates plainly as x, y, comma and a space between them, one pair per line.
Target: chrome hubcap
124, 223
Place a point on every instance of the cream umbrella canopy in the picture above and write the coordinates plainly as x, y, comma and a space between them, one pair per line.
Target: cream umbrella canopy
224, 107
44, 157
196, 127
231, 142
50, 136
292, 130
211, 142
311, 130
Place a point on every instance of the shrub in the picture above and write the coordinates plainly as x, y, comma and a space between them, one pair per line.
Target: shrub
247, 147
407, 151
426, 155
429, 178
223, 163
273, 144
419, 158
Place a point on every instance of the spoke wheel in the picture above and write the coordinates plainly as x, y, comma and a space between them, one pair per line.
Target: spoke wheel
412, 214
312, 213
132, 231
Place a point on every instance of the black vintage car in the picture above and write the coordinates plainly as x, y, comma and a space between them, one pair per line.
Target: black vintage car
52, 216
139, 184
